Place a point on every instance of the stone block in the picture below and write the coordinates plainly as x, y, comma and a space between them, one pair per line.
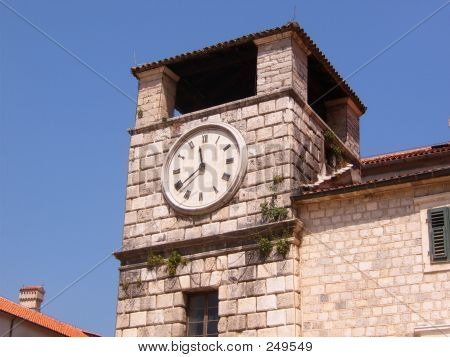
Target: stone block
257, 320
185, 282
236, 323
228, 226
268, 332
276, 318
247, 305
179, 299
264, 134
236, 260
164, 301
123, 321
197, 266
267, 270
129, 332
228, 307
178, 330
266, 303
255, 288
162, 330
155, 317
238, 210
138, 318
210, 229
176, 314
275, 285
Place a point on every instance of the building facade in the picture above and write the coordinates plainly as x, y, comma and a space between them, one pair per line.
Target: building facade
251, 212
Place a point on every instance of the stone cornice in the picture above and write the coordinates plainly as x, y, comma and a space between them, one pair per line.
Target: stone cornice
139, 255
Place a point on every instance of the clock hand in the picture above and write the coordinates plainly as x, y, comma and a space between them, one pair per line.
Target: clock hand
189, 183
201, 168
202, 164
201, 157
191, 175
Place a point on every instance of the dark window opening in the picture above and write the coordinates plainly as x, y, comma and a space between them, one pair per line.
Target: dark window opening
321, 87
216, 78
202, 314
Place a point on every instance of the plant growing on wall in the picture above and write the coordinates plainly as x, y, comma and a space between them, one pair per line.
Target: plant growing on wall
264, 246
333, 152
279, 240
124, 284
154, 260
270, 212
282, 246
174, 260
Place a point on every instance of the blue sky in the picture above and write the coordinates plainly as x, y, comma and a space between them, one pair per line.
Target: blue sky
63, 138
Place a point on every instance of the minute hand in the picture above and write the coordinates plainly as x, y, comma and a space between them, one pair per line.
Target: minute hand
191, 175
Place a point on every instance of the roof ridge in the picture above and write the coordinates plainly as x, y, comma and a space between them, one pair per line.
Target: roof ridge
423, 150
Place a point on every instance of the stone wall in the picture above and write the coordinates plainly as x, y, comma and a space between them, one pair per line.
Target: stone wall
282, 62
343, 119
156, 96
278, 136
257, 297
363, 264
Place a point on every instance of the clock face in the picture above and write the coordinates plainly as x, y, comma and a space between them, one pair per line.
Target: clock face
204, 168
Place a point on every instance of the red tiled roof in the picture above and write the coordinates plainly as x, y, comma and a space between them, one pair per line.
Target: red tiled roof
40, 319
406, 154
385, 181
290, 26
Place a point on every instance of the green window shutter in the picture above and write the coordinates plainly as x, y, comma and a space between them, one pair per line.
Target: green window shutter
439, 228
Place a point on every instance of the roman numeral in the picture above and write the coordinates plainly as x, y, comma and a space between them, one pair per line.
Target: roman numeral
230, 160
178, 185
187, 194
181, 156
217, 139
215, 189
225, 176
200, 196
191, 144
176, 171
226, 147
204, 138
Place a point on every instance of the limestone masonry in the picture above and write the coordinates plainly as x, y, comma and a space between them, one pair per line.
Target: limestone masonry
357, 233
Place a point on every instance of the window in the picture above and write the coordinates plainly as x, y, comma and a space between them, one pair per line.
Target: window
202, 314
425, 205
439, 234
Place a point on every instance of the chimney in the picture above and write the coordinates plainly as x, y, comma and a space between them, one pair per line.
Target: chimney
31, 296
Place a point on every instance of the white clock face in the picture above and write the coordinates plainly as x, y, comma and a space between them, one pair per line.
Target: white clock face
204, 168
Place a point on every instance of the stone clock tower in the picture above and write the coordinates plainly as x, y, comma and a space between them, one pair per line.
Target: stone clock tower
211, 240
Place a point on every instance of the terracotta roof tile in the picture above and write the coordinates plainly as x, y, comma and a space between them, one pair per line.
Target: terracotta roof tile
290, 26
40, 319
394, 179
399, 155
